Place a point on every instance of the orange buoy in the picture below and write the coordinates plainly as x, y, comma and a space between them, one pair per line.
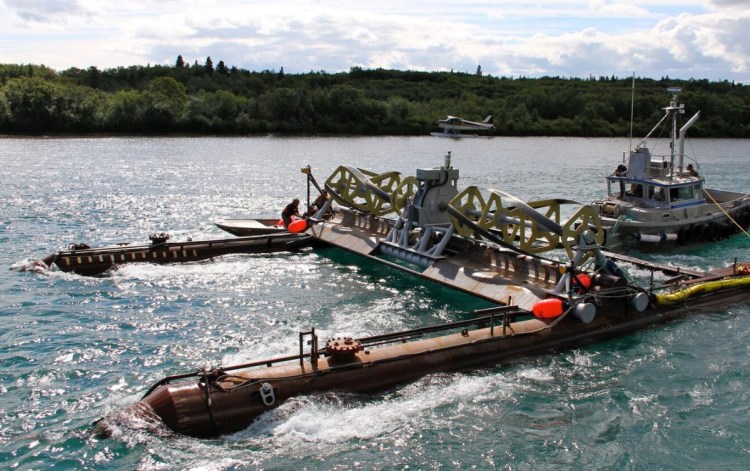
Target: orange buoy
297, 226
548, 308
280, 222
583, 280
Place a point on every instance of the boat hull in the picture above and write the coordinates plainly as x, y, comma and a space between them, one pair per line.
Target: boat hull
250, 227
95, 261
185, 406
633, 226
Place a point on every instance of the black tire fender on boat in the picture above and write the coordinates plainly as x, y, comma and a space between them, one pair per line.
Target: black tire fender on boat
705, 235
726, 230
741, 219
714, 231
696, 232
735, 221
683, 235
708, 232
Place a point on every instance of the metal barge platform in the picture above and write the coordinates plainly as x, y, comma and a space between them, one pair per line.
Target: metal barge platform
84, 260
495, 247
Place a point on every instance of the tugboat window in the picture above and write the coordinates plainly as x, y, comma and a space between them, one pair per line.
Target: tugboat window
658, 194
681, 193
635, 190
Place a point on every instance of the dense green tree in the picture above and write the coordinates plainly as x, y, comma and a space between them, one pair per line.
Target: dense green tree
216, 112
166, 103
126, 110
94, 77
5, 114
222, 68
33, 104
84, 110
163, 98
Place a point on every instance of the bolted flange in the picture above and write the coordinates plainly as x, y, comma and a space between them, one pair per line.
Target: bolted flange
346, 346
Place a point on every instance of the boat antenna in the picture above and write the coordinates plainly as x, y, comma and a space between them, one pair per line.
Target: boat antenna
632, 105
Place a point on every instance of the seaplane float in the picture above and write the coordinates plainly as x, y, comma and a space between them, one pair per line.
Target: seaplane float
658, 199
553, 286
455, 127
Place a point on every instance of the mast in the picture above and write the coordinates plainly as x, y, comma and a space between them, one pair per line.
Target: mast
674, 109
632, 106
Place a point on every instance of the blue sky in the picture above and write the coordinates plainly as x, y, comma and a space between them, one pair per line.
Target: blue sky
701, 39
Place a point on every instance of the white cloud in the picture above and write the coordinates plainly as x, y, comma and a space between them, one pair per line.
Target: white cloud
617, 9
689, 38
47, 11
723, 4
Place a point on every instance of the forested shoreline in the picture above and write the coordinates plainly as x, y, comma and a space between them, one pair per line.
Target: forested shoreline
201, 99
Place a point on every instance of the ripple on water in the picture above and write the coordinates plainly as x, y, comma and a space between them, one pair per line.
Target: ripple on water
73, 349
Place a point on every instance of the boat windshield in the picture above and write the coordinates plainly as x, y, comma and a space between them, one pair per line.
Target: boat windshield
652, 194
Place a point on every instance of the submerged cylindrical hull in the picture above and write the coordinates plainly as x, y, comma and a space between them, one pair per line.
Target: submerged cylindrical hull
95, 261
231, 404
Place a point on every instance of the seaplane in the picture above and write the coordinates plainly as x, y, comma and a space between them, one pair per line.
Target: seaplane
453, 126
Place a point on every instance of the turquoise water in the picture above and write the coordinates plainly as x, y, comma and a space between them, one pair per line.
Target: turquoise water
72, 349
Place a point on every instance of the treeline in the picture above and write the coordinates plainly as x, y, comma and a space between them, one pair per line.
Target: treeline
208, 99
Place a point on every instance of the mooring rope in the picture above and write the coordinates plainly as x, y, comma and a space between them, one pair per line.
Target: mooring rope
727, 214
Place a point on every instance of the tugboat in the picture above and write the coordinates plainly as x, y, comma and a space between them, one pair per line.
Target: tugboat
655, 199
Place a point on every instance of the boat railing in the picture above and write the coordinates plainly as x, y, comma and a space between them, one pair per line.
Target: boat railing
487, 318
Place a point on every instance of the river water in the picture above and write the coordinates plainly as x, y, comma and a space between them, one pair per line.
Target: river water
675, 396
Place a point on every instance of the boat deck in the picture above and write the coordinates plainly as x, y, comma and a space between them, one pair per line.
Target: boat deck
497, 275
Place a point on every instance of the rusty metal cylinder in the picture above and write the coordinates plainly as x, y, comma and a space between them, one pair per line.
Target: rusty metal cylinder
183, 407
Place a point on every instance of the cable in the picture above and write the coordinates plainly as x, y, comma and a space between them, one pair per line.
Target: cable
726, 213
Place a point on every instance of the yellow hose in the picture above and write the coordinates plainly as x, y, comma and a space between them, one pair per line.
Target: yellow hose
666, 299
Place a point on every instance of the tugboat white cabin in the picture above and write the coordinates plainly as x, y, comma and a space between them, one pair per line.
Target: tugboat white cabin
657, 198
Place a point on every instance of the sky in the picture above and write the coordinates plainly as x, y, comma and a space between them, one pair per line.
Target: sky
698, 39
